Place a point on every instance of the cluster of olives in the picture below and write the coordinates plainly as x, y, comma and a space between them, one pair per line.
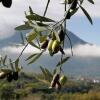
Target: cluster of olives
58, 81
6, 3
52, 44
11, 75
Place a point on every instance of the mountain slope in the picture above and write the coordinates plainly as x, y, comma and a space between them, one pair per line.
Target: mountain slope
76, 65
17, 39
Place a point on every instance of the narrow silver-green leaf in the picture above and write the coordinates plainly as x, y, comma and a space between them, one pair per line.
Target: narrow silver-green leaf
31, 56
16, 63
81, 1
54, 71
23, 27
63, 61
37, 17
1, 60
22, 38
43, 71
36, 57
87, 15
34, 45
30, 10
4, 60
11, 64
41, 24
74, 11
91, 1
49, 73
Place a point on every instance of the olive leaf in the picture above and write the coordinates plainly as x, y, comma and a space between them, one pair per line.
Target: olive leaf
81, 1
63, 61
0, 62
23, 27
11, 64
49, 73
54, 71
41, 24
16, 63
22, 38
34, 45
4, 60
31, 56
91, 1
30, 10
43, 71
36, 57
70, 13
37, 17
74, 11
74, 4
49, 76
87, 15
39, 28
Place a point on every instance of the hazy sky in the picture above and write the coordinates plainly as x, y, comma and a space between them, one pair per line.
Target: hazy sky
10, 18
87, 56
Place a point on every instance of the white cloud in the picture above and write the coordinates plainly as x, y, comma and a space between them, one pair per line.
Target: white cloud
86, 50
17, 50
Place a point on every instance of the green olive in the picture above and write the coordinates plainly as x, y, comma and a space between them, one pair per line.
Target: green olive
55, 46
63, 80
9, 77
50, 45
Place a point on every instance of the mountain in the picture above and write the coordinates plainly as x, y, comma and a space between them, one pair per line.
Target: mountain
75, 66
75, 40
15, 39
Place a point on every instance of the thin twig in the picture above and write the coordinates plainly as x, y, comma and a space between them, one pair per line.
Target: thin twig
46, 8
22, 51
64, 19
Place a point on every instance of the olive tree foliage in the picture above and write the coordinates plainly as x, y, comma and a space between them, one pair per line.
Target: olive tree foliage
47, 34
